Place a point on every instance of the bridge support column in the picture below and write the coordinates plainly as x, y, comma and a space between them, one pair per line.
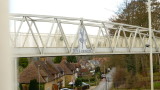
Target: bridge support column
6, 63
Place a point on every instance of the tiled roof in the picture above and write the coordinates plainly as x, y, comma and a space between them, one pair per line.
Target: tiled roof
64, 64
47, 70
58, 67
31, 72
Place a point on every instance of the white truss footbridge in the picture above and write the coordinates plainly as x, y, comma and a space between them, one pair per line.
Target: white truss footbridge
42, 35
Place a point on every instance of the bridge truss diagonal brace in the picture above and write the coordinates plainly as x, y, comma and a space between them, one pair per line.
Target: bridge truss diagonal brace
12, 39
114, 37
19, 28
97, 39
133, 42
126, 41
108, 36
75, 39
63, 34
83, 27
48, 36
27, 35
38, 33
119, 31
54, 35
155, 41
142, 41
129, 39
33, 35
33, 21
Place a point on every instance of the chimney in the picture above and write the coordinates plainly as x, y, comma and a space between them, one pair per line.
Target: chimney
43, 59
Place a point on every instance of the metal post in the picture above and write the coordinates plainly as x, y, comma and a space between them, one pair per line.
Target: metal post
39, 76
6, 63
150, 39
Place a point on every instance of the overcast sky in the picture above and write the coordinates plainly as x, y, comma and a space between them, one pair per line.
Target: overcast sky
91, 9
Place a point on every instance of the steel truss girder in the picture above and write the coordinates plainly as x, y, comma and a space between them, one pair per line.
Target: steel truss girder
110, 42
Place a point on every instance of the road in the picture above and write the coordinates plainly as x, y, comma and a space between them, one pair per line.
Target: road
106, 84
102, 85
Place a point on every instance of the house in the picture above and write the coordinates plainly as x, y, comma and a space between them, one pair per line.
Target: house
84, 64
84, 72
69, 71
60, 80
52, 76
94, 63
44, 73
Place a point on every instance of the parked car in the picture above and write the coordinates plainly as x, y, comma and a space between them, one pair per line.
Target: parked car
85, 86
66, 89
103, 76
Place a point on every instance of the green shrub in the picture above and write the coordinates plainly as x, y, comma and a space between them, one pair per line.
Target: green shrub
57, 59
78, 82
33, 85
157, 85
23, 62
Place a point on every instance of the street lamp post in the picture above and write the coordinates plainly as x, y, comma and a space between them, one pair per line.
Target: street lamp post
150, 39
39, 76
107, 82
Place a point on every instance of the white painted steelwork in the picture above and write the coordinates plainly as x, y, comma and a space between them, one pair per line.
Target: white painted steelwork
150, 42
42, 35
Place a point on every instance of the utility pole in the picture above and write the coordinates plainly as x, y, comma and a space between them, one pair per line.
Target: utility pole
39, 76
150, 40
104, 70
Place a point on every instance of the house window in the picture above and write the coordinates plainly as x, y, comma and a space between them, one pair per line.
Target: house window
55, 76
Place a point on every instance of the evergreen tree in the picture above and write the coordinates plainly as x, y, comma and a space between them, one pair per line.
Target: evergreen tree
33, 85
71, 59
57, 59
23, 62
131, 65
78, 82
